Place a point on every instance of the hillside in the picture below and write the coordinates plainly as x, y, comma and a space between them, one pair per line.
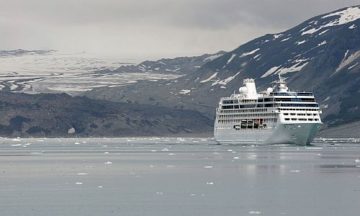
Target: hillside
60, 115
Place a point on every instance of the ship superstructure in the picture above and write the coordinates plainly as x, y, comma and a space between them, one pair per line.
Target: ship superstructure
275, 116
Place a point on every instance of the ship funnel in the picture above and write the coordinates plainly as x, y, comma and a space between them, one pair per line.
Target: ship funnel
251, 92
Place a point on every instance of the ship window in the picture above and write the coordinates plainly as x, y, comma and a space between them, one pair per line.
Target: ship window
293, 119
315, 114
287, 119
316, 119
227, 107
310, 119
292, 114
309, 114
286, 113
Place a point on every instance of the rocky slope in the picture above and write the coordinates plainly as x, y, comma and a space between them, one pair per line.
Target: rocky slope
179, 65
60, 115
321, 54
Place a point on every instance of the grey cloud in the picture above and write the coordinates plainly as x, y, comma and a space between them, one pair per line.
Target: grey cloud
150, 26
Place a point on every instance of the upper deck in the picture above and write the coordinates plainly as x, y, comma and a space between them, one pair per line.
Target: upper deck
248, 98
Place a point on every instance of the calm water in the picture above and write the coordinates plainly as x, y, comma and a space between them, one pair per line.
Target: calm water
177, 177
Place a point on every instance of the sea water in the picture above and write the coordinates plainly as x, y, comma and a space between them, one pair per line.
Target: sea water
177, 176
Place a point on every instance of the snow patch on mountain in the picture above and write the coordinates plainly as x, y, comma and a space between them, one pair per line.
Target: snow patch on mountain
294, 68
345, 16
231, 58
276, 36
225, 81
285, 39
210, 78
347, 61
323, 32
250, 53
257, 57
352, 66
352, 26
270, 71
300, 42
213, 57
322, 43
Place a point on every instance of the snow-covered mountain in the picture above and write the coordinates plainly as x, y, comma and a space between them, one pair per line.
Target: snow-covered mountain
321, 54
51, 71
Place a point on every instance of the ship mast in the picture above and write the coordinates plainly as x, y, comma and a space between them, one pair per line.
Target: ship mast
282, 84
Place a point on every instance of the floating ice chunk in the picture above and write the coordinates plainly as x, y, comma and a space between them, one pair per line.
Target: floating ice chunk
171, 154
209, 183
106, 152
100, 186
108, 163
236, 158
77, 143
184, 91
79, 183
208, 167
295, 171
71, 130
159, 193
15, 145
255, 212
153, 150
192, 194
82, 173
165, 149
357, 160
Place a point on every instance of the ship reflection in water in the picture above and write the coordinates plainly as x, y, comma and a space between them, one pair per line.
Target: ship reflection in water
177, 176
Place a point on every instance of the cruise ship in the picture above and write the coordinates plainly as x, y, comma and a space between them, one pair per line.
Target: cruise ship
275, 116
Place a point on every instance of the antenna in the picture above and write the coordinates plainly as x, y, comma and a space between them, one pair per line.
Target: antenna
282, 84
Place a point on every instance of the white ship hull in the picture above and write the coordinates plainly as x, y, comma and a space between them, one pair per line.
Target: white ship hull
298, 134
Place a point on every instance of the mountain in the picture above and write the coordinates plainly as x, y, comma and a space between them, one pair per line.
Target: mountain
180, 65
21, 52
321, 54
60, 115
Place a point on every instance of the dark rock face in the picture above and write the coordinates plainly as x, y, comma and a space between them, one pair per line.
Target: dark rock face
54, 115
321, 54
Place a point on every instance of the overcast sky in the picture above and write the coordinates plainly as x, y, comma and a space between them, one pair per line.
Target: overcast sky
149, 28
